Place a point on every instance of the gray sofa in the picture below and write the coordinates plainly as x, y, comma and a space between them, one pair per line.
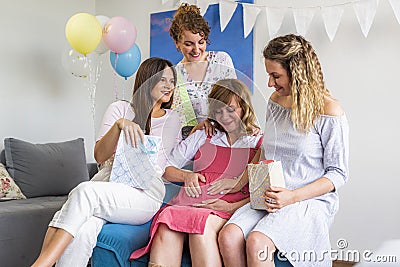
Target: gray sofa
23, 222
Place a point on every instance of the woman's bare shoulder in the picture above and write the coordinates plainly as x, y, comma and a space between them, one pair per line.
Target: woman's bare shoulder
332, 107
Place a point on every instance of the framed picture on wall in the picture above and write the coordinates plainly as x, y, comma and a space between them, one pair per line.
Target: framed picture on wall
231, 40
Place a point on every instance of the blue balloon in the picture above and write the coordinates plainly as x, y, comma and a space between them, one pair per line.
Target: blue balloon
127, 63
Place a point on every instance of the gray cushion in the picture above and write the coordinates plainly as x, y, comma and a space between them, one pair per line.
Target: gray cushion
3, 157
50, 169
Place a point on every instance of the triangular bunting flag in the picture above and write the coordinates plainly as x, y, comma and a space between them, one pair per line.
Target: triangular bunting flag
365, 12
179, 2
332, 16
303, 18
396, 8
226, 10
275, 17
250, 14
203, 5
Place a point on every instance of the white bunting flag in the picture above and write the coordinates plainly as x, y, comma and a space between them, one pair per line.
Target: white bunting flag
250, 14
303, 18
332, 16
180, 2
203, 5
275, 17
226, 10
396, 8
365, 12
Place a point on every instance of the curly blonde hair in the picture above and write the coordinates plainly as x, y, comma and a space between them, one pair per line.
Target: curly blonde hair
221, 94
298, 58
188, 18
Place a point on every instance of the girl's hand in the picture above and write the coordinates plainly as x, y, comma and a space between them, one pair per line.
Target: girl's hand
223, 186
191, 181
278, 197
206, 125
131, 130
216, 204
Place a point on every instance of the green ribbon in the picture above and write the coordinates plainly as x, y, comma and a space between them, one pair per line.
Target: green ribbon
185, 103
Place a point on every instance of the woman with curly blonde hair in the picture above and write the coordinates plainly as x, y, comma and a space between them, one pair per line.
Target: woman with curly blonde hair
307, 130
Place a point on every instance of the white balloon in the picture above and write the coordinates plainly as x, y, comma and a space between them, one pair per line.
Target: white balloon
102, 48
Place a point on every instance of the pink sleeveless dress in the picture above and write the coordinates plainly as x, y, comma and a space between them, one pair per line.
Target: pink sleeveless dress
215, 163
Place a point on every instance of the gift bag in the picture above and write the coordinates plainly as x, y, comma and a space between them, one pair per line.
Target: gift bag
136, 166
262, 175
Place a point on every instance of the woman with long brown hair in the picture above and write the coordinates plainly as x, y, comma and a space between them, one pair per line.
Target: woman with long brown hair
72, 233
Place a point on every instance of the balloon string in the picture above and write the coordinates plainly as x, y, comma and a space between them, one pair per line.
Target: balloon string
91, 89
115, 76
123, 90
94, 74
98, 65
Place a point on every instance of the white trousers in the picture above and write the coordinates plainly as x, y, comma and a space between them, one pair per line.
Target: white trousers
79, 251
89, 206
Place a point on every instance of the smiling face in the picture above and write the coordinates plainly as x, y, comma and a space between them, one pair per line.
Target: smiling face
278, 77
163, 90
230, 116
193, 47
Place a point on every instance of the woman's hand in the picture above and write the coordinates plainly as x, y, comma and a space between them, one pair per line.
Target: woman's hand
132, 131
206, 125
191, 181
223, 186
278, 197
216, 204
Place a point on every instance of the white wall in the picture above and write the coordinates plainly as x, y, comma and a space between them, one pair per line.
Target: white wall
41, 102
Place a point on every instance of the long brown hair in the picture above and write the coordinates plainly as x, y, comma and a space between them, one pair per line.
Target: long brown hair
222, 93
296, 55
147, 76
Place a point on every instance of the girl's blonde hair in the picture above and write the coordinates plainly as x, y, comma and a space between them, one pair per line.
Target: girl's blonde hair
221, 94
298, 58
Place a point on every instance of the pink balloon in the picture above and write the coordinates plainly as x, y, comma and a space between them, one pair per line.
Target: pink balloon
119, 34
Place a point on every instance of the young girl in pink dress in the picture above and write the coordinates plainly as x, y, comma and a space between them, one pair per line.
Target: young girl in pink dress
197, 213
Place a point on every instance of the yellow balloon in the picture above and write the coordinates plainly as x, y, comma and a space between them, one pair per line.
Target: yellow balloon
83, 32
